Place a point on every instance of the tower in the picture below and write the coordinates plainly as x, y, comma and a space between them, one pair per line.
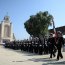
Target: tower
6, 33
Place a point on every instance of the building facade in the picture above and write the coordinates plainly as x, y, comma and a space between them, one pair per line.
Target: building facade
6, 33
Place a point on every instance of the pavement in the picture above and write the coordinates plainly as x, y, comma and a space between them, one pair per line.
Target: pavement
18, 57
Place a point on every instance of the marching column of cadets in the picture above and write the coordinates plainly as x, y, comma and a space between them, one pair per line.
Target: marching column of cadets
50, 46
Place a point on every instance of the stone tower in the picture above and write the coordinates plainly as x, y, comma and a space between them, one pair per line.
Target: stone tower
6, 33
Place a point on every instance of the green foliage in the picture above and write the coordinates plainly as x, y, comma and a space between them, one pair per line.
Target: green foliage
38, 24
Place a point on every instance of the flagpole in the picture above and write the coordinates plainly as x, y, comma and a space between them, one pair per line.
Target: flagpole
54, 27
55, 33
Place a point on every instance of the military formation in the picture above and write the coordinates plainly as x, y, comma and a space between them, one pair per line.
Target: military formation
49, 45
26, 45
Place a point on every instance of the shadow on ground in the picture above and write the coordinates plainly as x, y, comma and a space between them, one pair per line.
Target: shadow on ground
47, 61
55, 63
22, 52
42, 60
25, 53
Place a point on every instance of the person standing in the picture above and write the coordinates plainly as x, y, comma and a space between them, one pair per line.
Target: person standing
60, 43
51, 44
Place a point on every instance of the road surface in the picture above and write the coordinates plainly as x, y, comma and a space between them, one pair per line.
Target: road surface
16, 57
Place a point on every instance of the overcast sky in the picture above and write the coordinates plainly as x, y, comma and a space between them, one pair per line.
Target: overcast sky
20, 11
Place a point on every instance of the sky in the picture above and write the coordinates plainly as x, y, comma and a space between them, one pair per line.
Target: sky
20, 11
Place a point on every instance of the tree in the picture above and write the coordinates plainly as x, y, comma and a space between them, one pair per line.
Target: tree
38, 24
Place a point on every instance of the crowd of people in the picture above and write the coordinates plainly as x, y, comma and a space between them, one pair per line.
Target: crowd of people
47, 46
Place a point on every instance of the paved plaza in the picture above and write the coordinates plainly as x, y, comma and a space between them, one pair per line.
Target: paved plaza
16, 57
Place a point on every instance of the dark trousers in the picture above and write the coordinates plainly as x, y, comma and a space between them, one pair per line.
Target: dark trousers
59, 53
52, 53
51, 50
